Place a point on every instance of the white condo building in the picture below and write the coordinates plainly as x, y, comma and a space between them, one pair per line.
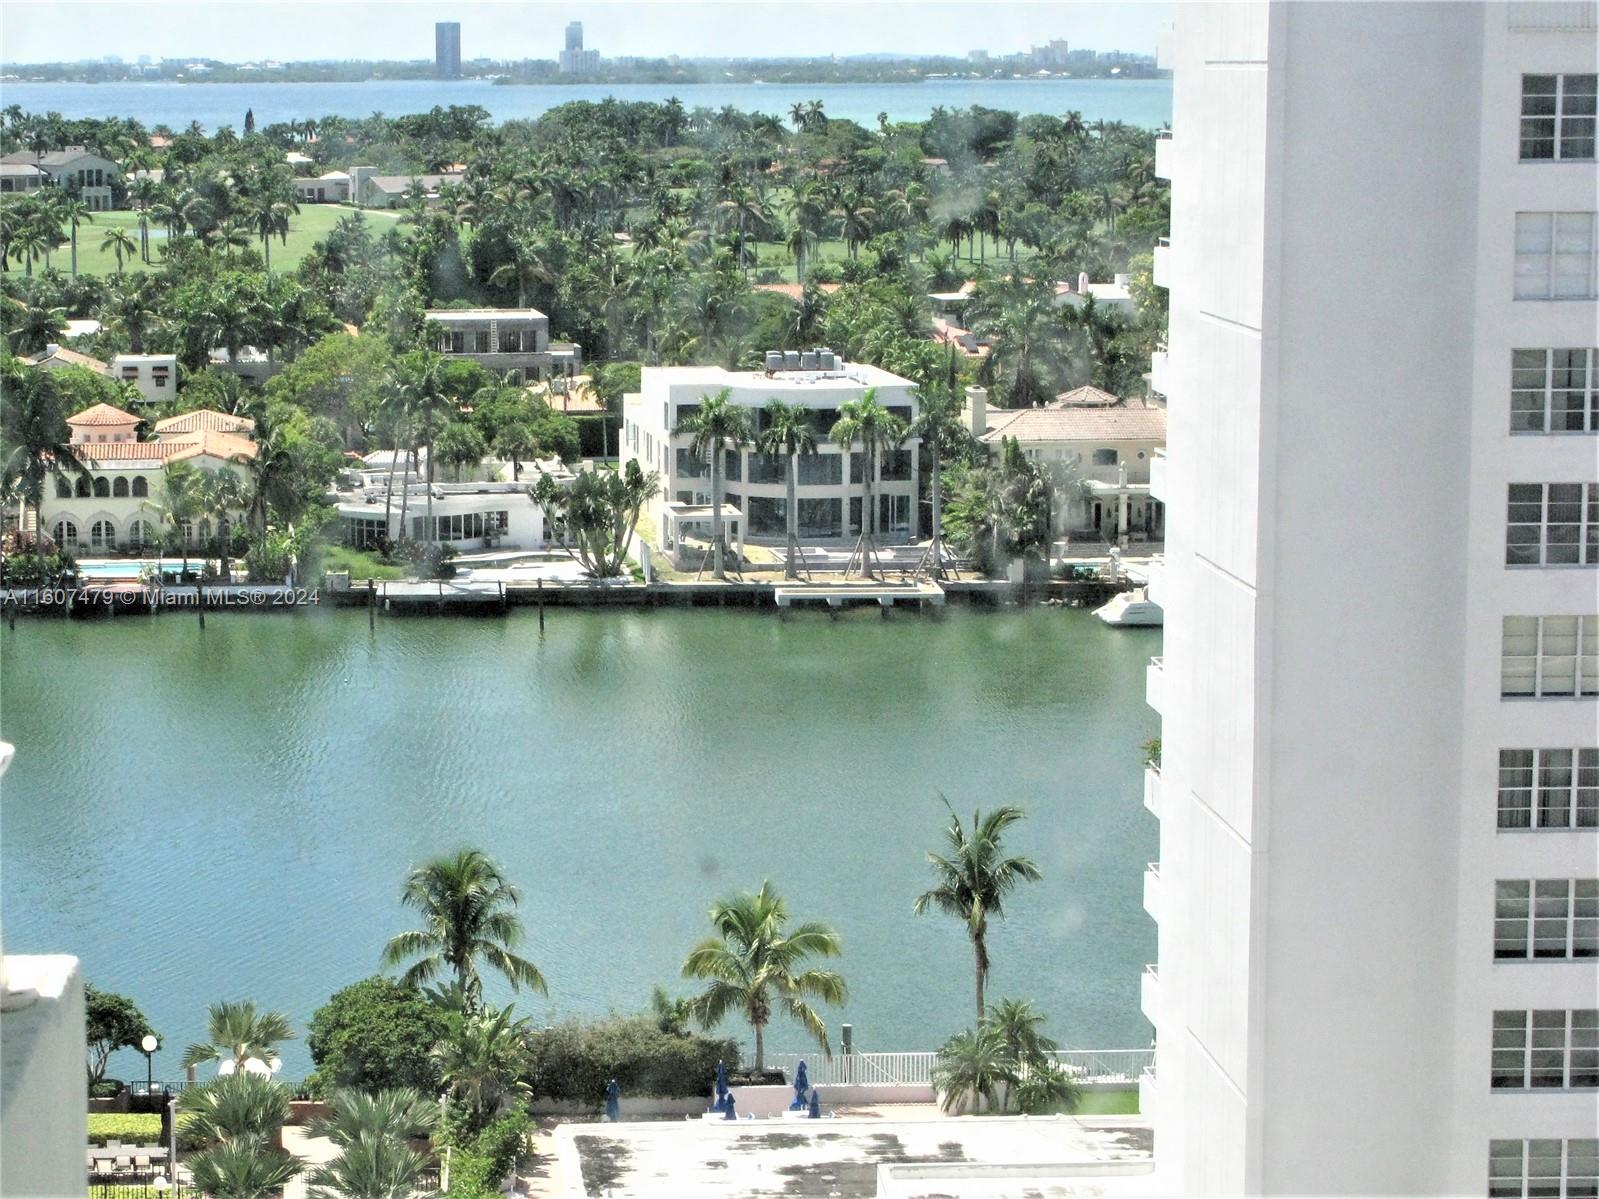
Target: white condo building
1378, 800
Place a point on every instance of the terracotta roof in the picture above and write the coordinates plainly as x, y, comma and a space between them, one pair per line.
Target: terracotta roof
793, 291
103, 414
1077, 397
202, 419
65, 357
224, 446
1121, 422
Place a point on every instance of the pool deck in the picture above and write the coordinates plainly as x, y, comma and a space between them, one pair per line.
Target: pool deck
840, 1158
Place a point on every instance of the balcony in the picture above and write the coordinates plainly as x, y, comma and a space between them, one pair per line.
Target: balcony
1152, 891
1146, 1093
1155, 685
1164, 150
1149, 994
1157, 475
1155, 577
1160, 373
1163, 263
1152, 790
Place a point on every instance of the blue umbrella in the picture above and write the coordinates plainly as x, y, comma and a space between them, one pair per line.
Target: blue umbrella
613, 1102
816, 1104
801, 1085
728, 1113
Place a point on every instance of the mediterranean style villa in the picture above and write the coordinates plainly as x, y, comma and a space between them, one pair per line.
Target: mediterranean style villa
118, 505
755, 494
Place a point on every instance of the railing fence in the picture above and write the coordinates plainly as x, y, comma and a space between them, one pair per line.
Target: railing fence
916, 1069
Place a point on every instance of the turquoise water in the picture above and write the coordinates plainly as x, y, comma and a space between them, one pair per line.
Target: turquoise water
126, 569
1145, 102
229, 813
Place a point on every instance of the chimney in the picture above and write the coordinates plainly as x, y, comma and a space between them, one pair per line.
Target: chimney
1082, 283
974, 415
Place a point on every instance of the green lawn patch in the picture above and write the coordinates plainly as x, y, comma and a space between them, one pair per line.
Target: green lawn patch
310, 225
1109, 1103
131, 1128
362, 564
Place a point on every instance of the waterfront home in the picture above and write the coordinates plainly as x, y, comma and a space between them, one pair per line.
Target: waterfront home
75, 169
468, 517
755, 484
118, 505
330, 188
1111, 440
506, 341
154, 376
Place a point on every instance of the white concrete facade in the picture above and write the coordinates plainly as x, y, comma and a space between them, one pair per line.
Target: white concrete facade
154, 375
1342, 264
513, 341
828, 487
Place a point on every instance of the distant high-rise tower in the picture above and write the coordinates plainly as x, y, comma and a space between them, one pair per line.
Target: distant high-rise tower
575, 60
574, 35
447, 49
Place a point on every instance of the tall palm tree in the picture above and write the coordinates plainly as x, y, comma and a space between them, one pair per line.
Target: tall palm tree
716, 426
789, 432
74, 212
427, 403
182, 501
118, 242
35, 442
223, 496
938, 422
237, 1032
28, 244
469, 916
37, 328
973, 878
754, 965
866, 423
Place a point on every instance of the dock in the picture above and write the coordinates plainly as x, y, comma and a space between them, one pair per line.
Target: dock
840, 595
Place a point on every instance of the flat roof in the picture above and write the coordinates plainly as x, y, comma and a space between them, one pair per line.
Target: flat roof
484, 314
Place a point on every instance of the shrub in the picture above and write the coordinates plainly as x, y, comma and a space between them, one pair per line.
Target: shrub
574, 1061
478, 1168
107, 1088
128, 1127
376, 1033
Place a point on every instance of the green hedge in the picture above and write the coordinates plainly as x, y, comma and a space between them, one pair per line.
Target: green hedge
477, 1171
131, 1128
574, 1061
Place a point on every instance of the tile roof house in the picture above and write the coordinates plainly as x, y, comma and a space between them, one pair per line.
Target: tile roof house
204, 420
75, 166
53, 357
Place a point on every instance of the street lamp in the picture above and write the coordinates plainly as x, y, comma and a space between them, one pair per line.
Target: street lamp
149, 1045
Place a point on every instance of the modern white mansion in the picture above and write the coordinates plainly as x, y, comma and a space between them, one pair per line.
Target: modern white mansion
828, 483
1379, 799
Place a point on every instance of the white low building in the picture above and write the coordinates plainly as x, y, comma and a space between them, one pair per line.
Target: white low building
330, 188
1113, 295
154, 375
829, 481
117, 505
507, 341
466, 516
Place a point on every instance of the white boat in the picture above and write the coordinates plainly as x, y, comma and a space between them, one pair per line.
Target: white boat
1131, 608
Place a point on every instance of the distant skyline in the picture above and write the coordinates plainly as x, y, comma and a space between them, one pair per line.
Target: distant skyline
35, 31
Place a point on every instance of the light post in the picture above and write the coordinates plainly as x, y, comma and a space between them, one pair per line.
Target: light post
149, 1045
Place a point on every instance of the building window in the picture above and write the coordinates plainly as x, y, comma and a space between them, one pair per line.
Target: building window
821, 470
1552, 524
482, 341
140, 534
1554, 391
102, 535
119, 488
1554, 256
1543, 1169
1545, 1049
1546, 918
140, 487
65, 533
1549, 656
1557, 117
81, 489
1545, 789
1104, 457
63, 489
691, 466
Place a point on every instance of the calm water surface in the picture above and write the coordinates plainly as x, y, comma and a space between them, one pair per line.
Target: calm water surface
1145, 102
230, 813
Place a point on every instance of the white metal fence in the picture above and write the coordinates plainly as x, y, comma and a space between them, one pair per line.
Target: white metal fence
916, 1069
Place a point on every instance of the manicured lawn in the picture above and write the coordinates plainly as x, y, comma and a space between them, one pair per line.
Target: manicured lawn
361, 564
131, 1128
309, 226
1109, 1103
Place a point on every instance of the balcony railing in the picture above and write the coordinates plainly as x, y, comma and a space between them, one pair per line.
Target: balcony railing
1152, 789
1155, 684
1152, 891
1157, 474
1149, 994
916, 1068
1165, 149
1162, 270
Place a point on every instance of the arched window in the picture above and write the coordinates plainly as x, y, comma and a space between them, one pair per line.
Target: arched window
119, 487
140, 534
102, 488
63, 489
82, 488
140, 487
66, 533
102, 535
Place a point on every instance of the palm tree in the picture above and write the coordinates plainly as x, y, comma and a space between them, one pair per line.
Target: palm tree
426, 403
970, 1069
468, 912
368, 1168
938, 422
482, 1059
753, 965
672, 1015
243, 1170
118, 242
789, 432
235, 1107
223, 495
974, 877
393, 1113
35, 442
866, 423
38, 328
75, 212
716, 426
28, 244
517, 440
236, 1032
182, 500
1018, 316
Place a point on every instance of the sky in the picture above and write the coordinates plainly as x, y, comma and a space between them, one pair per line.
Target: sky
34, 31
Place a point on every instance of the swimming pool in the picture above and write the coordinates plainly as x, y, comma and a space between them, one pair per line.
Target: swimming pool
128, 569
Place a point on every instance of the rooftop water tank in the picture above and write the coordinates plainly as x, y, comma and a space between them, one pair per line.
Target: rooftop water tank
791, 360
808, 360
774, 360
826, 359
